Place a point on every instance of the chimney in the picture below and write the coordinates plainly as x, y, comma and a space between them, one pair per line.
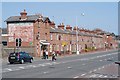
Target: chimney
52, 24
61, 26
82, 30
68, 27
23, 14
75, 28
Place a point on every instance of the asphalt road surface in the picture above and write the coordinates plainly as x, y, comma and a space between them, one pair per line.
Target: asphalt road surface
90, 65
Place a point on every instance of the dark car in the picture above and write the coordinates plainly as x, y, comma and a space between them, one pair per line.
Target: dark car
20, 57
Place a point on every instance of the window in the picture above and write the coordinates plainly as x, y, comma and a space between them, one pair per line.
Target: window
51, 37
38, 24
4, 43
57, 47
57, 36
62, 37
45, 36
82, 39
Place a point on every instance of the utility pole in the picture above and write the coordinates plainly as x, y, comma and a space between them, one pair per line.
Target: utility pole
14, 42
77, 47
77, 43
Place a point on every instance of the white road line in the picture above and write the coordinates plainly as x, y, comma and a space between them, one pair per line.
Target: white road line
94, 70
29, 66
76, 77
45, 72
34, 66
42, 65
97, 56
103, 67
17, 69
69, 67
22, 67
83, 64
99, 68
105, 76
83, 74
39, 64
47, 64
94, 75
105, 59
9, 69
100, 75
58, 63
90, 71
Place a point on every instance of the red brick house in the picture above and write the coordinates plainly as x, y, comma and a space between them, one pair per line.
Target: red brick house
39, 33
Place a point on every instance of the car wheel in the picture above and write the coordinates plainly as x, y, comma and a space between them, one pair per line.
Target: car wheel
22, 61
31, 60
11, 62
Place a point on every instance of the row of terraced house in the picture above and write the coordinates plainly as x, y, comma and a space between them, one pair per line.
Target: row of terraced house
39, 33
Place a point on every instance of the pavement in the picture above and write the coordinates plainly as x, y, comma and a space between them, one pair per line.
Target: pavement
92, 65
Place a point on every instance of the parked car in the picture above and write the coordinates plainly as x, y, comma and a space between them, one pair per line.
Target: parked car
20, 57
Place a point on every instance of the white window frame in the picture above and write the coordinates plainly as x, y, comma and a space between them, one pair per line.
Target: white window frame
51, 37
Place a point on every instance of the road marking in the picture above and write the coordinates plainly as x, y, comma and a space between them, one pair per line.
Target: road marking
41, 65
100, 75
95, 70
100, 60
83, 64
48, 63
34, 66
17, 69
94, 75
83, 74
97, 56
105, 59
76, 77
90, 71
29, 66
109, 58
105, 76
45, 72
9, 69
99, 68
58, 63
22, 67
69, 67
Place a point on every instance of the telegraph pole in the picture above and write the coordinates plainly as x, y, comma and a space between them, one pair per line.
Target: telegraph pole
14, 42
77, 48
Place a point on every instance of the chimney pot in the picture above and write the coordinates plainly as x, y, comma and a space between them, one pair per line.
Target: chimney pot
23, 14
61, 26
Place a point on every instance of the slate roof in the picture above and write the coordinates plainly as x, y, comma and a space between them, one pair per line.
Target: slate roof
29, 18
57, 30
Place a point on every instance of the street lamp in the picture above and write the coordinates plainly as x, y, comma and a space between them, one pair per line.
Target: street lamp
77, 50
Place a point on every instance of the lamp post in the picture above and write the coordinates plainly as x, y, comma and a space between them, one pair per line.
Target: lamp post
77, 43
77, 50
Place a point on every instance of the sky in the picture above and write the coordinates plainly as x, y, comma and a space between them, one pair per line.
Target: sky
60, 0
103, 15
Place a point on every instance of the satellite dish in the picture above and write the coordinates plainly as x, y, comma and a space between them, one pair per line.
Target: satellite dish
82, 14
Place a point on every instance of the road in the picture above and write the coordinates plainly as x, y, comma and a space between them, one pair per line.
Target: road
90, 65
